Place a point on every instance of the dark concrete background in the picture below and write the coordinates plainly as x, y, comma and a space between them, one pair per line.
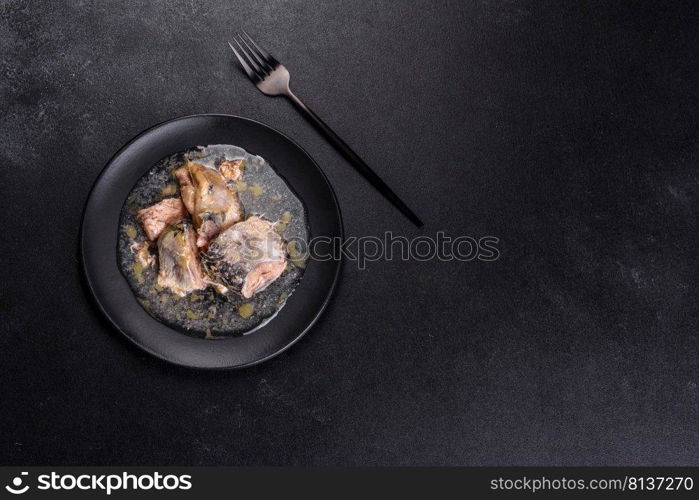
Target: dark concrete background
566, 129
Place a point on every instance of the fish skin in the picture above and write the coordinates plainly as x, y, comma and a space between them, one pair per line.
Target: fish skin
178, 258
247, 257
214, 207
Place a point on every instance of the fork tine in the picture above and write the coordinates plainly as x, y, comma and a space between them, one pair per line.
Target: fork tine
256, 55
260, 70
266, 55
251, 74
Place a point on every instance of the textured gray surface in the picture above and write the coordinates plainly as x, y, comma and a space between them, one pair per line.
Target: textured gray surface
568, 131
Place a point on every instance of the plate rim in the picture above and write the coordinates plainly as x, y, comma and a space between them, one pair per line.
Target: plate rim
135, 341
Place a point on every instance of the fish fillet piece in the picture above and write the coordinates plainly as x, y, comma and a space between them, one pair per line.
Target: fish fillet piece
214, 207
180, 268
232, 170
141, 251
186, 188
161, 215
246, 257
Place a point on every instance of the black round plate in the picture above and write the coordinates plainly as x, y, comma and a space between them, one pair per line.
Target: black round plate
100, 227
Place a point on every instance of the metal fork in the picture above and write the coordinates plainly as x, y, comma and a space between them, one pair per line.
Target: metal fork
272, 78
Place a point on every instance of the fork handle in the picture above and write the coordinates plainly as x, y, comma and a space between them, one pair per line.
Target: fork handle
355, 160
